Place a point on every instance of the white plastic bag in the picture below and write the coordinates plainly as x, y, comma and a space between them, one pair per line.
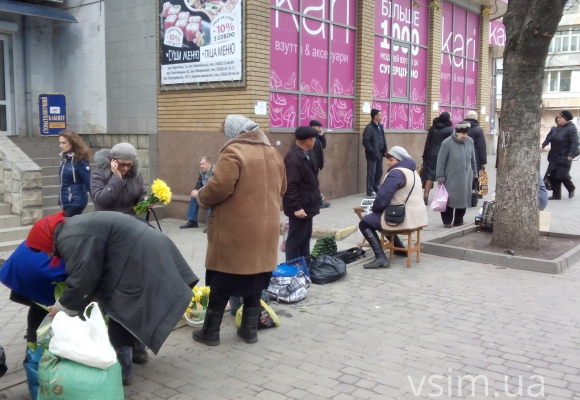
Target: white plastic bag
439, 203
85, 342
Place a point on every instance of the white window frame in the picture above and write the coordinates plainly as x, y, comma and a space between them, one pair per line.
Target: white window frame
548, 80
557, 43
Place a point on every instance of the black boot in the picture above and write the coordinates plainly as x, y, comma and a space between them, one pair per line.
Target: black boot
399, 244
209, 334
381, 260
140, 355
124, 355
249, 328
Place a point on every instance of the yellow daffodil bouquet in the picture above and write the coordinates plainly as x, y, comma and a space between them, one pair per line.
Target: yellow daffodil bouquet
198, 305
160, 193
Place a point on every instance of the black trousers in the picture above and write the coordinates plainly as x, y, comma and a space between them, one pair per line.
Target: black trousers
374, 174
298, 241
447, 216
34, 318
119, 336
557, 187
217, 302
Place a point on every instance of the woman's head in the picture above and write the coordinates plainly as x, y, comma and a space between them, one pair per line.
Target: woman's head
235, 125
125, 155
462, 130
397, 154
564, 117
70, 141
41, 235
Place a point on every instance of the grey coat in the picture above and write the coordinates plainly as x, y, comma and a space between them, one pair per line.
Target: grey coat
456, 167
134, 271
111, 193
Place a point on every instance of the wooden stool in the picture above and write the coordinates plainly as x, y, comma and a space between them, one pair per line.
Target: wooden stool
388, 240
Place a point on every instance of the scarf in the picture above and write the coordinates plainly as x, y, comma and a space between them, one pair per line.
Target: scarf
41, 235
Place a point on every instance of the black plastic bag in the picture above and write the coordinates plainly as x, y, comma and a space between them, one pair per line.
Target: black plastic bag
3, 367
326, 269
351, 255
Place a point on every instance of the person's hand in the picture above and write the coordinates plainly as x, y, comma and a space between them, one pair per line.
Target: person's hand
194, 193
570, 158
300, 214
52, 311
114, 168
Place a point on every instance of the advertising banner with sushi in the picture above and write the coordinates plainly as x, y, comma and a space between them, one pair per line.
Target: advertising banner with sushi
201, 41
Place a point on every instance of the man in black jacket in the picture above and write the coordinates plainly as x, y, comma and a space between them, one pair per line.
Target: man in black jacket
300, 201
478, 137
375, 146
317, 155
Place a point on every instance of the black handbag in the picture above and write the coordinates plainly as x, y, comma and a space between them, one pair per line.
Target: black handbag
475, 193
395, 215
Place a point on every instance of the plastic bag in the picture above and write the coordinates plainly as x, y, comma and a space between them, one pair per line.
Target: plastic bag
3, 367
86, 342
31, 361
62, 379
326, 269
285, 236
439, 203
268, 318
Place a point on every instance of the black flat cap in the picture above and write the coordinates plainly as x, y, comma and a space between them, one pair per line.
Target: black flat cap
305, 132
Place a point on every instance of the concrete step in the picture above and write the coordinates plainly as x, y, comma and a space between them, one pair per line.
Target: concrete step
5, 209
10, 245
9, 221
34, 154
40, 145
9, 234
52, 170
50, 180
50, 190
54, 209
47, 162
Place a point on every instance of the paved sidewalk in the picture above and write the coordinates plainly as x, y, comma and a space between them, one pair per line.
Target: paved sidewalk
372, 333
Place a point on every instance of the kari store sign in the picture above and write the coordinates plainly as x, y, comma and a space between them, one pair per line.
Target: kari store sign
312, 63
400, 62
200, 41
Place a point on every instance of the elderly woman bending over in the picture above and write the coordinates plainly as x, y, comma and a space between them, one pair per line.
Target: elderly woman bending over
401, 185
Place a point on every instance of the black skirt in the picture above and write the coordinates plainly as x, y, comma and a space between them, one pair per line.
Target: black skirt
237, 285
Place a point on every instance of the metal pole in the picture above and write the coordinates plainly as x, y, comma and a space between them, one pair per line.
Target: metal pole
27, 77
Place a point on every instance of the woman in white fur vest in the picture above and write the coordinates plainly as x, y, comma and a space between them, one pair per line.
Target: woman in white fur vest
401, 185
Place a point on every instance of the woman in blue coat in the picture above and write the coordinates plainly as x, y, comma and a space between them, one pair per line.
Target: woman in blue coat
74, 173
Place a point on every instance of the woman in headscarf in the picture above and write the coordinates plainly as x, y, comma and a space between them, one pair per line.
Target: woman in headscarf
118, 260
245, 194
117, 183
441, 130
564, 148
457, 169
400, 186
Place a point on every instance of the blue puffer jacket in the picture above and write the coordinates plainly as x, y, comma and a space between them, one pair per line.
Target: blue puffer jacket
75, 178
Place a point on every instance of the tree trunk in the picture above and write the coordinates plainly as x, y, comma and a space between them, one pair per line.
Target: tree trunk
530, 26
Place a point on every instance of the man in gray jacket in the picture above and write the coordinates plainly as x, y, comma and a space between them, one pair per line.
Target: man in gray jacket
375, 146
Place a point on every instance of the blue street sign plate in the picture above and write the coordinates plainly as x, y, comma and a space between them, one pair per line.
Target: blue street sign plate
52, 113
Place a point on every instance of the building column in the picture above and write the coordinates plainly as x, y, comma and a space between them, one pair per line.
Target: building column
434, 61
364, 76
484, 81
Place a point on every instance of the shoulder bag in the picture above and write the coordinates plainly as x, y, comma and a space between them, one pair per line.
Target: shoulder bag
395, 215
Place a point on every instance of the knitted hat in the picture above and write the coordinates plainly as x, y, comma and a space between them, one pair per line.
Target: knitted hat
374, 112
471, 115
124, 151
399, 153
315, 122
462, 127
567, 115
305, 132
237, 124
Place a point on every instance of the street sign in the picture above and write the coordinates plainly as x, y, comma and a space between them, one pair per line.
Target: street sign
51, 113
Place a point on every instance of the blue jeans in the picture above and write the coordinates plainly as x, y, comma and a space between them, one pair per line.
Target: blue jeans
193, 209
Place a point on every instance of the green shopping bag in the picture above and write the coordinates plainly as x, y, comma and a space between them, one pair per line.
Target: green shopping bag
62, 379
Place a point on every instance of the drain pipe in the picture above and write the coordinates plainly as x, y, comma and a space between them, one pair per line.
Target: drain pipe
27, 77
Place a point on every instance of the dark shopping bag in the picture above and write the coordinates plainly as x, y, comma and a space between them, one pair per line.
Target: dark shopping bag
351, 255
30, 363
326, 269
475, 193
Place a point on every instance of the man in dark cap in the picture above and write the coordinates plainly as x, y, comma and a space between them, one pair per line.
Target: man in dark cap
317, 155
300, 202
375, 146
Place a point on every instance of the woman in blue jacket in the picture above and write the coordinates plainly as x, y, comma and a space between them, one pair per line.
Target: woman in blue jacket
74, 173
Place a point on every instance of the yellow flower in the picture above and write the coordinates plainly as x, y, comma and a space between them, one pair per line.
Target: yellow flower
161, 191
205, 290
197, 297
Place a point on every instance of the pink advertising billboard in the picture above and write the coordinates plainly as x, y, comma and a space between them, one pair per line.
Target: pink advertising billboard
459, 61
400, 62
312, 63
